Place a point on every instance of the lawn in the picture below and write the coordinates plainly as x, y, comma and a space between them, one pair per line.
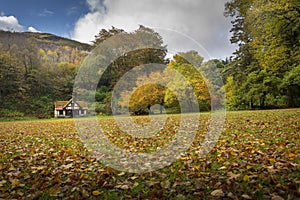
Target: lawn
257, 157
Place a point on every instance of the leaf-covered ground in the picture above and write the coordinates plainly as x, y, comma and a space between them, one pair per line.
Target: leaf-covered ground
256, 157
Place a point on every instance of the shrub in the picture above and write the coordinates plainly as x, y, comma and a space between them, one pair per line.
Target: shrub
11, 114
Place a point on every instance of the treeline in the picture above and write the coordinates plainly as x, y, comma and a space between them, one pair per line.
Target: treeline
140, 76
35, 70
265, 70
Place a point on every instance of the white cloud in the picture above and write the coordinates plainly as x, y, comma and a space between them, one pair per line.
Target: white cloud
32, 29
45, 13
87, 27
10, 23
202, 20
95, 5
72, 10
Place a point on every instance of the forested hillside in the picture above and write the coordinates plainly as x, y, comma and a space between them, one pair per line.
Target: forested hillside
35, 70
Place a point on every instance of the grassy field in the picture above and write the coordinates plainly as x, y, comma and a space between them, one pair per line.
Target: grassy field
256, 157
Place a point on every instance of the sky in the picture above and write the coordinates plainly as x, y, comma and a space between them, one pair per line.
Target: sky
183, 24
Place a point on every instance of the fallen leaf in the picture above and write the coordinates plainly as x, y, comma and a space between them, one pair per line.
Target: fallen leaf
276, 197
135, 184
96, 193
217, 193
68, 166
85, 193
246, 196
15, 183
246, 178
230, 195
165, 184
2, 183
121, 174
124, 187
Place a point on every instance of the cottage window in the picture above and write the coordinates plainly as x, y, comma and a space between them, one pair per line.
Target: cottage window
60, 112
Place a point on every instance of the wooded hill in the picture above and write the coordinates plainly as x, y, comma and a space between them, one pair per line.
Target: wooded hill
35, 70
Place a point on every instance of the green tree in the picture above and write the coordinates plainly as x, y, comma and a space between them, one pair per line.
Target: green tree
268, 43
119, 55
276, 42
139, 55
11, 78
232, 98
291, 84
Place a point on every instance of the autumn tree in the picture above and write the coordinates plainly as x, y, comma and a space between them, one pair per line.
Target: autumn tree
181, 86
149, 91
188, 65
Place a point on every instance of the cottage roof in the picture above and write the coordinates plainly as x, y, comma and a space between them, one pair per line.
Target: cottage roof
82, 104
60, 105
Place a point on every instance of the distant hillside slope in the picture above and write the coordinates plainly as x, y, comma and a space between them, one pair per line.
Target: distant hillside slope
48, 47
42, 40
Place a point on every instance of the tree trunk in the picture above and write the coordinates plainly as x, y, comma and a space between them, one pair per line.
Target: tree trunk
263, 99
251, 104
149, 109
290, 98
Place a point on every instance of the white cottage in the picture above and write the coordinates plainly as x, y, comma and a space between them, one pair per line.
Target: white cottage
70, 109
